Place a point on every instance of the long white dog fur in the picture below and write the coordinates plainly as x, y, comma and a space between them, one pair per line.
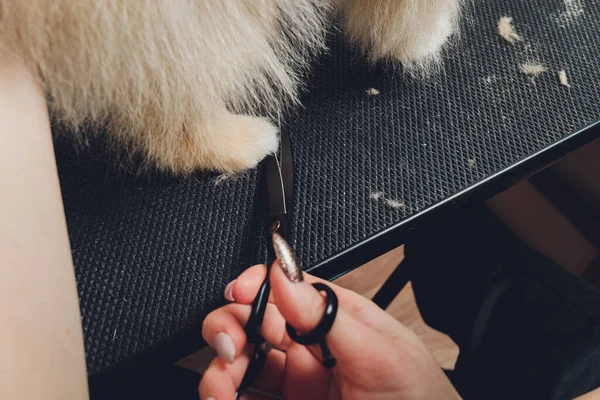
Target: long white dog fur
184, 82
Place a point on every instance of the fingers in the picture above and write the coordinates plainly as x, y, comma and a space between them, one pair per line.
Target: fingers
246, 285
223, 330
229, 321
221, 380
302, 306
362, 309
244, 290
298, 302
299, 371
271, 379
364, 355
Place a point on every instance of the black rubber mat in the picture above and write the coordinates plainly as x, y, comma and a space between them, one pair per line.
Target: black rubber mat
153, 254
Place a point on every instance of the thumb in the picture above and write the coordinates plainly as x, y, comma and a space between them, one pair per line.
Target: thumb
302, 306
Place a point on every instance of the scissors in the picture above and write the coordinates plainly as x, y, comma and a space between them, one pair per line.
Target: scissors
278, 173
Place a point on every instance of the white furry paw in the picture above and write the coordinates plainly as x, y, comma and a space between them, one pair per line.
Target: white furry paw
229, 143
424, 44
250, 140
411, 32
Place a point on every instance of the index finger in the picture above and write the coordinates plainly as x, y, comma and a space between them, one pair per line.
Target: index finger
246, 286
220, 380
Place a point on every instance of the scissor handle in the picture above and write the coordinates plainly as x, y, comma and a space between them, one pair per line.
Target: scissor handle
255, 367
257, 313
252, 329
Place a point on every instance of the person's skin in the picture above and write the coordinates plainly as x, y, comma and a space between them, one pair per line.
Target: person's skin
41, 341
593, 395
377, 356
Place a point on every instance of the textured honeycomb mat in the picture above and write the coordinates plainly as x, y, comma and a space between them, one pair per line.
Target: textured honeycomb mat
152, 255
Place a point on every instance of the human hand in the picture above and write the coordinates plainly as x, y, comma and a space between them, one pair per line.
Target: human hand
377, 356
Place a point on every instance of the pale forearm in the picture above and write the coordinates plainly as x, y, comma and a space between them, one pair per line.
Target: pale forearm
593, 395
41, 342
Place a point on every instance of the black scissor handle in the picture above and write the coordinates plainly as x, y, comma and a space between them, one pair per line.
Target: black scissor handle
257, 313
255, 367
252, 329
319, 334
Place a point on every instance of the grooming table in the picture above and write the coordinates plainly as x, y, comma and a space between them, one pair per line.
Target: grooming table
153, 253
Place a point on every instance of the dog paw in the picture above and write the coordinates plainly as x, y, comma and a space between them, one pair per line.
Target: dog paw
248, 141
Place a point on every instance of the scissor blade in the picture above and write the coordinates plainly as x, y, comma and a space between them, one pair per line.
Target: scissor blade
275, 189
286, 167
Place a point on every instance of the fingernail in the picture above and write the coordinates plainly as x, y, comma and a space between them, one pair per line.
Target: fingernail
210, 398
224, 347
229, 291
287, 259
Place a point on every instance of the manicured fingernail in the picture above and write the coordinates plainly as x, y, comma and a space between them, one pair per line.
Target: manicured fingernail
224, 347
210, 398
229, 291
287, 259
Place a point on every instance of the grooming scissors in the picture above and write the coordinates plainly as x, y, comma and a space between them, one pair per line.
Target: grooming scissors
279, 197
279, 189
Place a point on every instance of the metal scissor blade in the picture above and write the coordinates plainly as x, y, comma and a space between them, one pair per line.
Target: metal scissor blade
275, 189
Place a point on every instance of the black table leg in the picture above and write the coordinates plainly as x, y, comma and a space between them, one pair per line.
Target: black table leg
395, 282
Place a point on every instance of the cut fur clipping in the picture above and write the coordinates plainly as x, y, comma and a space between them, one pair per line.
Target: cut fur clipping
573, 10
397, 204
393, 203
533, 70
507, 30
562, 77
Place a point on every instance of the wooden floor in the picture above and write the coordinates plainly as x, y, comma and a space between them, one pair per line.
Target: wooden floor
366, 280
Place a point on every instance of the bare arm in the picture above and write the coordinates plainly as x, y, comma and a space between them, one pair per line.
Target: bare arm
593, 395
41, 343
